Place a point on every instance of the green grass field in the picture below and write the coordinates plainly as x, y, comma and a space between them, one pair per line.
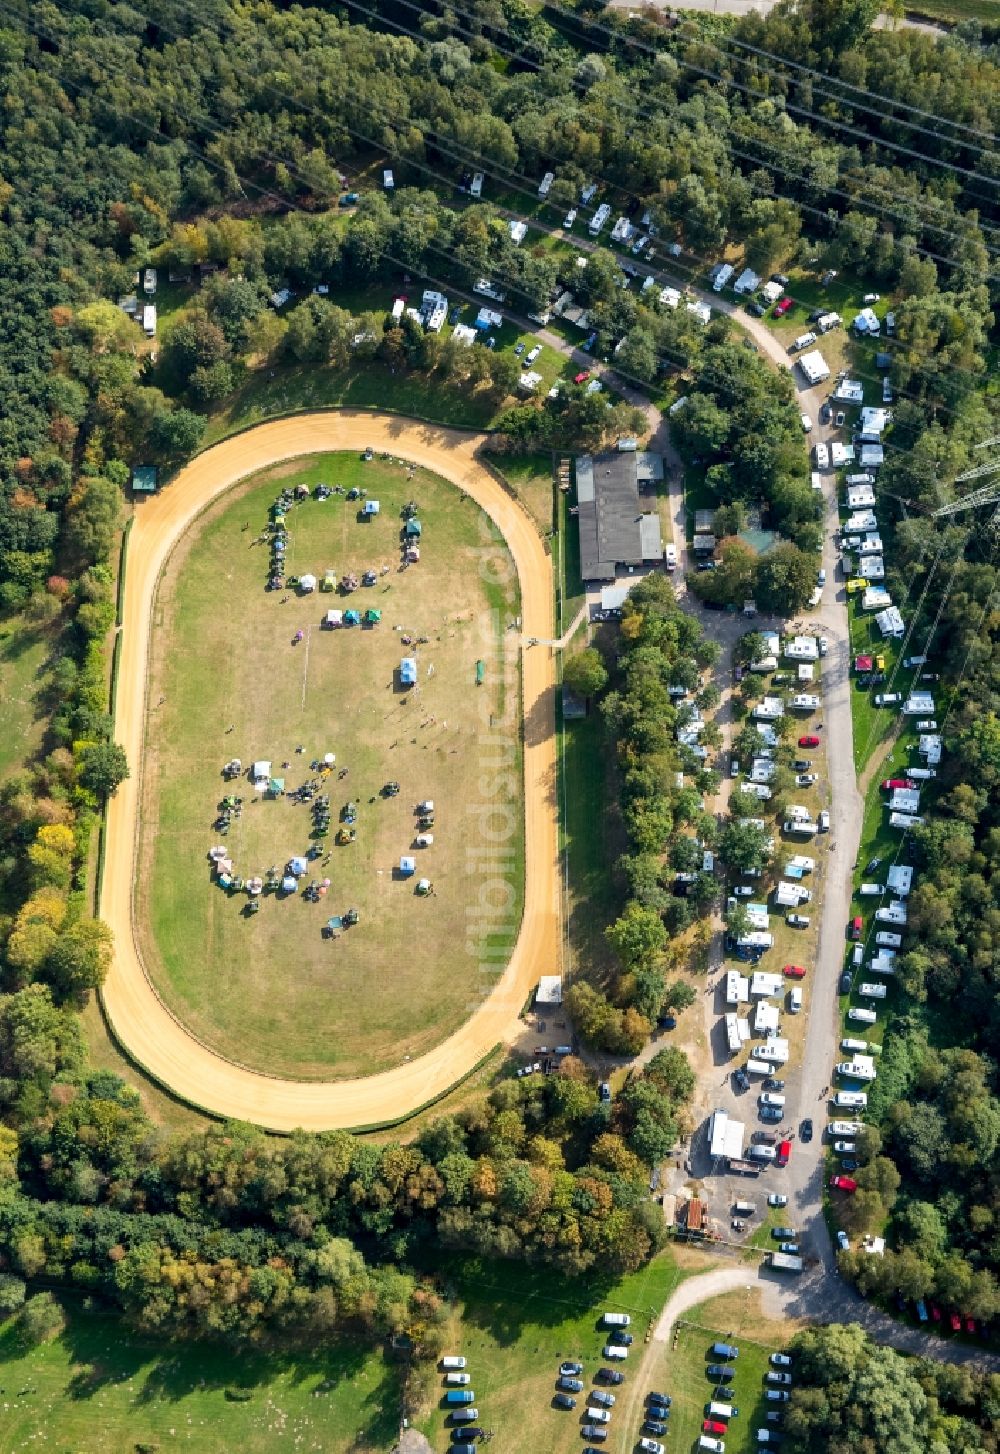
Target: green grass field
24, 651
516, 1324
269, 990
99, 1389
530, 477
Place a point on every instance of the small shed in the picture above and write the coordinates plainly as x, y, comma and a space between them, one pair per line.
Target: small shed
413, 529
370, 509
408, 671
407, 865
333, 619
145, 478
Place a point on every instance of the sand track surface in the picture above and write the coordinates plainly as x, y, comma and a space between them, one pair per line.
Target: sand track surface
140, 1022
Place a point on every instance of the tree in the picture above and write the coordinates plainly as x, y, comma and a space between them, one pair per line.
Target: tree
40, 1320
585, 673
102, 767
81, 956
178, 434
744, 845
786, 578
637, 936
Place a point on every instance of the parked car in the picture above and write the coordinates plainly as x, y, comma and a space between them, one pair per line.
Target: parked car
844, 1183
802, 764
844, 986
794, 971
655, 1426
806, 779
791, 1248
777, 1199
564, 1401
713, 1426
570, 1370
570, 1385
856, 928
888, 699
721, 1372
797, 921
782, 1234
613, 1376
810, 740
843, 1242
533, 353
781, 1360
605, 1400
807, 423
824, 820
784, 1379
582, 376
845, 1148
777, 1395
897, 782
782, 308
806, 1129
650, 1446
772, 1083
659, 1398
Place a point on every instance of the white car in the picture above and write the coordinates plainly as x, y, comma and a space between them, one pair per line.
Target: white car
806, 779
820, 574
845, 1148
807, 423
599, 1416
797, 921
927, 725
781, 1360
889, 941
650, 1446
777, 1199
822, 454
824, 821
533, 353
843, 1242
614, 1350
887, 699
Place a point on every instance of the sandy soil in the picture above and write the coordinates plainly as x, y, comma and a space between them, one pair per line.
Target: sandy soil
139, 1020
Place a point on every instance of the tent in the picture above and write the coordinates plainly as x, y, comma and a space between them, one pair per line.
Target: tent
352, 618
407, 864
276, 786
255, 886
261, 774
372, 616
225, 882
333, 619
329, 758
413, 553
307, 583
423, 886
289, 884
408, 671
370, 508
298, 866
480, 672
414, 527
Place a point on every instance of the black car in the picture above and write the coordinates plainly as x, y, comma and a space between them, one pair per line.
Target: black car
659, 1398
779, 278
570, 1385
845, 983
802, 764
468, 1433
563, 1401
806, 1130
741, 1079
609, 1375
773, 1083
659, 1412
816, 315
667, 1022
849, 1164
721, 1372
625, 1339
825, 412
757, 309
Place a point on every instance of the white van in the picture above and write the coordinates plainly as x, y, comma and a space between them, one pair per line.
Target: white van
453, 1362
760, 1151
758, 1067
873, 991
845, 1128
851, 1100
794, 1000
861, 1046
614, 1350
857, 955
868, 889
457, 1380
769, 1098
716, 1446
719, 1411
671, 556
862, 1017
615, 1320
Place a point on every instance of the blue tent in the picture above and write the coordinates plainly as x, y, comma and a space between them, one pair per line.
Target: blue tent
408, 671
298, 866
414, 527
289, 884
352, 618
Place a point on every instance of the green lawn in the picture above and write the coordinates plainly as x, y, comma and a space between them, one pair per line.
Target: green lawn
269, 393
530, 477
679, 1369
99, 1389
874, 726
24, 651
270, 990
516, 1324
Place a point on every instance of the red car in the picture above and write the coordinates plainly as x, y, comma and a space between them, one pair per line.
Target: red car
970, 1325
897, 782
935, 1312
784, 1152
582, 378
782, 308
844, 1183
956, 1322
809, 741
857, 927
712, 1426
794, 971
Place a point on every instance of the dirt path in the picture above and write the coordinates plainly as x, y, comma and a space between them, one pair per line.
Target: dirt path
140, 1022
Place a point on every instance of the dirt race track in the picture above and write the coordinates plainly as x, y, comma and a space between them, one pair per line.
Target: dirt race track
142, 1025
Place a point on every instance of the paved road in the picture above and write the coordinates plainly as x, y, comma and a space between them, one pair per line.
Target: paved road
764, 7
140, 1021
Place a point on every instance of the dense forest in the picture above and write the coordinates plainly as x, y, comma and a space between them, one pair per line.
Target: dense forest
214, 142
853, 1397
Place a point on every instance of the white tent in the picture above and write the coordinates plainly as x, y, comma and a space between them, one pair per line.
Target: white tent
307, 583
261, 774
407, 864
333, 619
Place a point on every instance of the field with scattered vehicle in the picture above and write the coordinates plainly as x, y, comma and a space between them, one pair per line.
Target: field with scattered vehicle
228, 678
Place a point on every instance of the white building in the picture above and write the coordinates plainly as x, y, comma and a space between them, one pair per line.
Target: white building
747, 282
872, 456
725, 1137
771, 292
769, 709
622, 230
841, 455
433, 310
802, 648
890, 622
766, 1019
859, 495
737, 988
859, 522
929, 745
670, 297
849, 391
599, 218
919, 704
874, 421
549, 991
867, 323
462, 333
774, 1049
900, 879
814, 366
905, 800
518, 231
701, 311
764, 985
876, 598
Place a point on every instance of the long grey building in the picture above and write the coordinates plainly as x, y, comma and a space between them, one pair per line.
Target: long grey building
615, 532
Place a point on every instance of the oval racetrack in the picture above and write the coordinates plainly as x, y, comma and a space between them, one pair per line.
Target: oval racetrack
140, 1022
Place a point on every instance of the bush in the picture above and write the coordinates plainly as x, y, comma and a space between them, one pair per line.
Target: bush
41, 1319
12, 1293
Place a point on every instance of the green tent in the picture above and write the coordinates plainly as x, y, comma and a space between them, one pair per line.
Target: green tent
276, 786
372, 616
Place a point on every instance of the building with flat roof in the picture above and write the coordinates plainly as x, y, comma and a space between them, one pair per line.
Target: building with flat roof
615, 532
